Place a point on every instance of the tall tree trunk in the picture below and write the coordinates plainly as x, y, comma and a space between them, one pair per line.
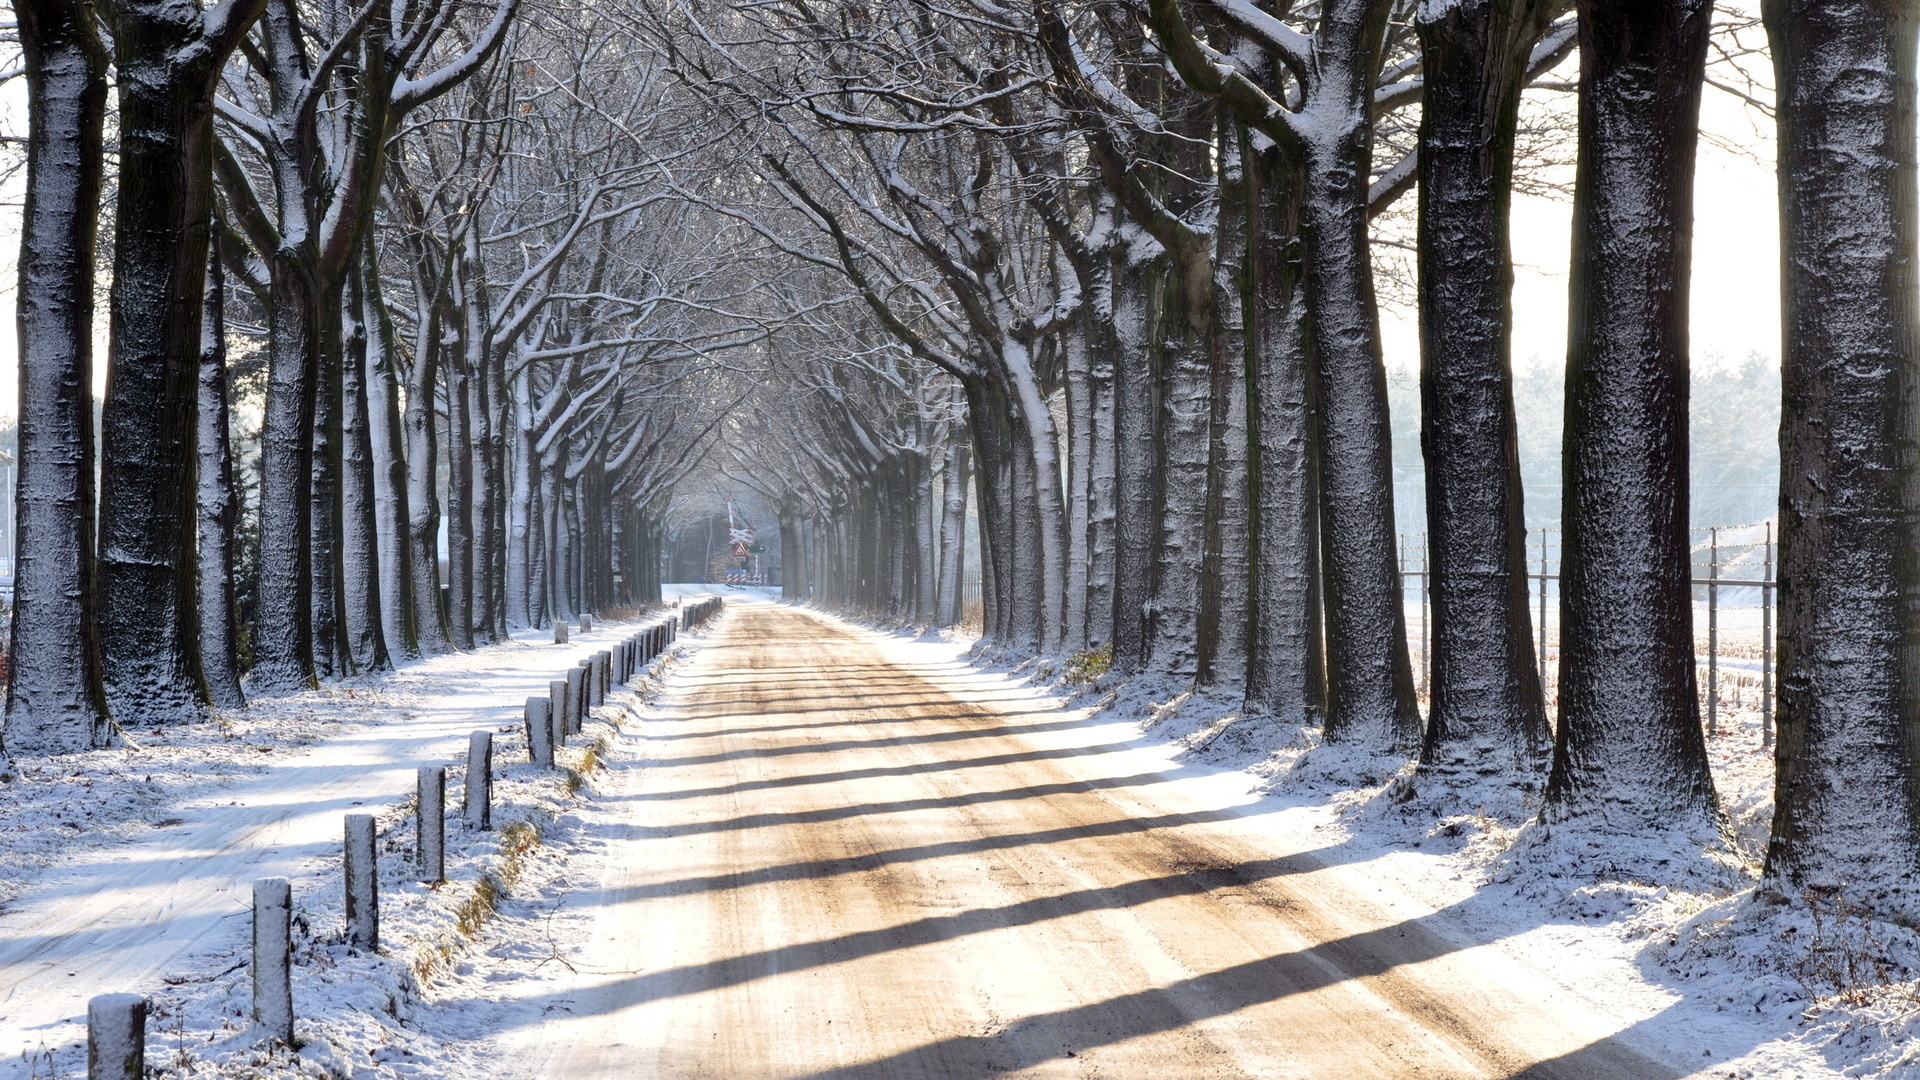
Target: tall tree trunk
1847, 786
1286, 675
331, 655
218, 509
459, 506
1629, 754
1136, 425
1224, 589
1370, 697
1101, 476
360, 552
1186, 326
55, 699
389, 469
423, 504
283, 618
1487, 714
1079, 387
956, 477
148, 586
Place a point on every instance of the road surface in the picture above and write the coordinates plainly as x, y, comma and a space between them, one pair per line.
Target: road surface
829, 862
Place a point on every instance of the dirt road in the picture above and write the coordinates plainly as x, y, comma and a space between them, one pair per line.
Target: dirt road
831, 865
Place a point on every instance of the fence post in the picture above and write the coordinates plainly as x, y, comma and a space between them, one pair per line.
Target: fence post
576, 698
117, 1037
560, 699
363, 884
1543, 613
586, 624
432, 852
559, 632
604, 668
1713, 631
479, 801
539, 731
273, 957
1426, 618
1766, 644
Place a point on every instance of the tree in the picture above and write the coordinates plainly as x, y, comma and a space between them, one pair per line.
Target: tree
1629, 755
1847, 789
55, 698
169, 57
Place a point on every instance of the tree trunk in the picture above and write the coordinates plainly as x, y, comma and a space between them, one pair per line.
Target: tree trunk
1286, 675
218, 510
283, 628
1136, 425
360, 552
1370, 697
1487, 715
55, 700
956, 474
1847, 789
1629, 754
423, 505
459, 506
1223, 583
389, 471
331, 656
148, 585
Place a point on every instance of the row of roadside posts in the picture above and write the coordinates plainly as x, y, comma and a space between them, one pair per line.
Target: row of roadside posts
116, 1023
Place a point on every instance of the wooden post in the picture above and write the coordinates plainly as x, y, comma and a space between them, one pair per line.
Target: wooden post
559, 632
479, 801
273, 957
363, 885
603, 676
539, 731
560, 694
117, 1037
576, 699
1766, 644
1713, 633
432, 854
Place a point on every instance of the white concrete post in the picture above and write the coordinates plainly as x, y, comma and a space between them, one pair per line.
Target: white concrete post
117, 1037
479, 800
363, 884
432, 853
559, 632
540, 731
586, 624
273, 957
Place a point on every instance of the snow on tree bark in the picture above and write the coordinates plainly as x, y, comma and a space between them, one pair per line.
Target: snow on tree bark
169, 58
360, 550
1487, 714
1629, 755
1286, 674
1847, 785
218, 509
55, 700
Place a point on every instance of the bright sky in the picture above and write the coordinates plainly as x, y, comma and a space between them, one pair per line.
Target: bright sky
1736, 273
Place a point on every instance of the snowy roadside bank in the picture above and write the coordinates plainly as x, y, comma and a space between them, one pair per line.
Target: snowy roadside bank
173, 831
1692, 967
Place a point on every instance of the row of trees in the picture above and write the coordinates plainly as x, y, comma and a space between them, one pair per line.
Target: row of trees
1108, 265
1135, 238
421, 248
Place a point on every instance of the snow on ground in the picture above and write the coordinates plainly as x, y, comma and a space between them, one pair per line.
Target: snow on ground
130, 869
1762, 989
1685, 970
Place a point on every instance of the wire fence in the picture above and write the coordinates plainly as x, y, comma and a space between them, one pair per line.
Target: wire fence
1734, 596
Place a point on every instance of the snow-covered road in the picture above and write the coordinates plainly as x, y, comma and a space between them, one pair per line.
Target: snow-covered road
828, 855
122, 918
